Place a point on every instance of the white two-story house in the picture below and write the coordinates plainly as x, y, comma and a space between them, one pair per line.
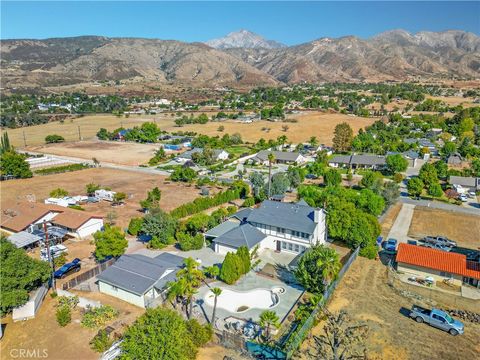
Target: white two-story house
284, 227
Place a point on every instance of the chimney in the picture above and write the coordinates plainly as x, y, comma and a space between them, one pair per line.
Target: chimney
317, 215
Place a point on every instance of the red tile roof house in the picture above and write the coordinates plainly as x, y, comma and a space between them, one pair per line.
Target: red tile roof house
30, 216
440, 265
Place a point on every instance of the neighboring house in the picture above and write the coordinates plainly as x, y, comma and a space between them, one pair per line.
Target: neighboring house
139, 279
440, 265
280, 226
373, 162
30, 218
470, 183
103, 194
281, 157
218, 155
120, 135
455, 159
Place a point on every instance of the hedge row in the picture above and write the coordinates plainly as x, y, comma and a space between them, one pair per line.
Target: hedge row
61, 169
201, 204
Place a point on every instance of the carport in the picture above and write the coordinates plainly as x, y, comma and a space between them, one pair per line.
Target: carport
24, 239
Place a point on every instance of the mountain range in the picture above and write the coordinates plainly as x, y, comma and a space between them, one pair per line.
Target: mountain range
239, 59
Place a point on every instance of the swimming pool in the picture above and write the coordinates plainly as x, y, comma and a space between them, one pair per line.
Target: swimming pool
241, 301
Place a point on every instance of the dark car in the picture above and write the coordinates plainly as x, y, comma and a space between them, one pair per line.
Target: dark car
68, 268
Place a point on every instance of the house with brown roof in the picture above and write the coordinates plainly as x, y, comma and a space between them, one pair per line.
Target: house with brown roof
440, 265
29, 217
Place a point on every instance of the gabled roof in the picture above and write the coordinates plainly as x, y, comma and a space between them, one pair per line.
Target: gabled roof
221, 229
293, 216
436, 259
137, 273
279, 155
73, 219
362, 159
243, 235
20, 216
242, 214
464, 181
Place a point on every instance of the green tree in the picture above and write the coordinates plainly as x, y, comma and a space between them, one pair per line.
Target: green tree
428, 174
435, 190
269, 319
271, 159
135, 225
279, 184
415, 187
295, 176
159, 334
317, 267
448, 149
91, 188
343, 137
152, 200
5, 143
200, 334
396, 163
212, 271
58, 193
391, 192
110, 242
313, 141
101, 342
14, 164
244, 255
119, 198
231, 269
161, 227
258, 182
371, 202
19, 274
216, 292
50, 139
184, 174
442, 169
332, 177
372, 180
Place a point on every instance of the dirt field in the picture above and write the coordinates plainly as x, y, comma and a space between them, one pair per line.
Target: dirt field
366, 296
389, 218
462, 228
309, 124
104, 151
67, 343
135, 185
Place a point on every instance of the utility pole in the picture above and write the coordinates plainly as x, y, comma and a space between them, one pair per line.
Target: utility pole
24, 139
50, 257
79, 133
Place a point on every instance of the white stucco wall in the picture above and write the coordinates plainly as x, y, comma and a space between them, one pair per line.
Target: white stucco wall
90, 227
222, 249
121, 294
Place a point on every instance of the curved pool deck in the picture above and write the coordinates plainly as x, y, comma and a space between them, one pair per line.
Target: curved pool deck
242, 301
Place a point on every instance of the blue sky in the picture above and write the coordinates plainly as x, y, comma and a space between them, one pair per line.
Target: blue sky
287, 22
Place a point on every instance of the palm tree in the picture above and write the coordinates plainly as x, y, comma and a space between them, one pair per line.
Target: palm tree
269, 318
192, 277
313, 141
211, 271
271, 159
176, 289
329, 262
216, 291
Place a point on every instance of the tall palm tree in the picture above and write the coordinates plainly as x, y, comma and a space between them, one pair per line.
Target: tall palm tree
271, 159
216, 291
269, 318
329, 262
176, 289
192, 277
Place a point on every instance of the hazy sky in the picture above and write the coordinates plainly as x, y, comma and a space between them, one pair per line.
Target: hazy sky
287, 22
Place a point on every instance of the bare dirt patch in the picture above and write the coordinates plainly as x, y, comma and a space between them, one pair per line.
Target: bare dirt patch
134, 184
61, 343
463, 228
389, 218
122, 153
366, 296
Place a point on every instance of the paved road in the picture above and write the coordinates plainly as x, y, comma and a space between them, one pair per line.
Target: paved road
442, 206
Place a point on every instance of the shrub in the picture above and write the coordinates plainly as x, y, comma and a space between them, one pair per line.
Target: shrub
188, 242
370, 251
398, 178
64, 315
61, 260
50, 139
244, 255
135, 226
99, 316
250, 201
201, 334
200, 204
231, 268
58, 193
101, 342
62, 169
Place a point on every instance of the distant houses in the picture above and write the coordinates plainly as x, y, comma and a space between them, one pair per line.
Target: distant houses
470, 183
280, 157
218, 155
373, 162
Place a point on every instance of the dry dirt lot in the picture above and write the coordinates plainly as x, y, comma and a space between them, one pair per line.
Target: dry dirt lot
122, 153
309, 124
134, 184
462, 228
61, 343
366, 296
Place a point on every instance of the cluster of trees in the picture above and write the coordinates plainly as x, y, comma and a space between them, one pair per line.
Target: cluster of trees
19, 274
159, 156
235, 265
237, 190
163, 334
183, 174
274, 112
279, 183
152, 200
200, 119
110, 242
11, 162
148, 132
216, 142
428, 179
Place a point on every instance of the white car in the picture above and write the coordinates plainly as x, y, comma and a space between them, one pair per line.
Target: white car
463, 198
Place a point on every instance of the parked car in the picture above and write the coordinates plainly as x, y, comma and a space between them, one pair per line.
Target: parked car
441, 240
311, 176
438, 247
68, 268
412, 242
463, 198
437, 318
391, 245
55, 251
